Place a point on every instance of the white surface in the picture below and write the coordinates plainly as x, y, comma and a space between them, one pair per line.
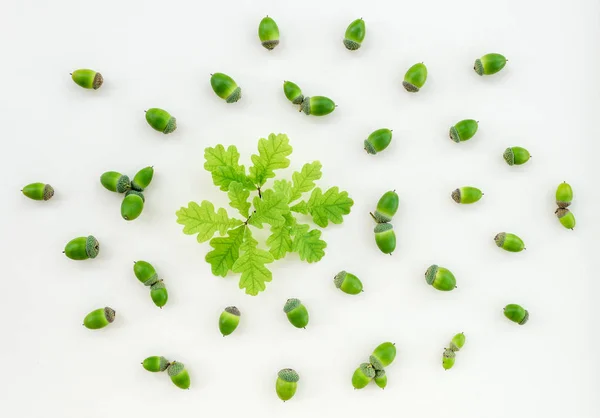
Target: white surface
160, 53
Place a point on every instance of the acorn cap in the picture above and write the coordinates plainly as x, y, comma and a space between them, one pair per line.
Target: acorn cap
478, 67
368, 370
449, 353
298, 100
509, 156
560, 212
410, 87
499, 238
48, 192
456, 195
158, 285
525, 318
151, 280
382, 227
270, 44
92, 246
351, 45
305, 106
339, 279
171, 125
379, 374
175, 368
109, 313
291, 304
98, 80
164, 364
123, 184
234, 96
369, 147
136, 192
375, 363
430, 273
454, 134
288, 375
233, 310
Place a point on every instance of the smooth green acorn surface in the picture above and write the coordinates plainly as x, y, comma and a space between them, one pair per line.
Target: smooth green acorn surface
296, 313
387, 206
509, 242
415, 78
440, 278
385, 353
38, 191
457, 342
99, 318
448, 359
516, 313
142, 178
355, 34
317, 105
363, 375
381, 379
516, 155
286, 384
348, 283
464, 130
132, 207
225, 87
268, 33
385, 238
179, 375
161, 120
566, 218
489, 64
564, 195
82, 248
466, 195
115, 182
155, 364
229, 320
159, 294
145, 272
378, 141
293, 92
88, 79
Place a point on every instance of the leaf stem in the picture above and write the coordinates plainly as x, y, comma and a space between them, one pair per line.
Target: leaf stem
259, 192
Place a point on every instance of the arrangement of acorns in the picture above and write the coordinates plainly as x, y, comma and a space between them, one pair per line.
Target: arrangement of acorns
382, 356
564, 197
133, 202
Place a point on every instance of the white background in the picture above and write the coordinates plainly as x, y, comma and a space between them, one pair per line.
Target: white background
160, 54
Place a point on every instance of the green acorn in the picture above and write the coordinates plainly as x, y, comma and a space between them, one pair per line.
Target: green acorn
385, 238
387, 206
145, 273
155, 364
489, 64
448, 359
464, 130
466, 195
564, 195
566, 218
179, 375
115, 182
457, 342
296, 313
88, 79
142, 179
82, 248
516, 156
99, 318
317, 106
161, 120
159, 294
385, 353
286, 384
293, 92
381, 378
229, 320
509, 242
225, 87
363, 375
415, 78
38, 191
516, 313
135, 192
440, 278
268, 32
355, 34
378, 141
348, 283
132, 207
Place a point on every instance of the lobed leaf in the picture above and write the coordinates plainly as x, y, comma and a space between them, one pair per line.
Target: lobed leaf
204, 221
238, 197
280, 240
251, 264
270, 209
272, 155
226, 251
223, 164
304, 181
329, 206
308, 244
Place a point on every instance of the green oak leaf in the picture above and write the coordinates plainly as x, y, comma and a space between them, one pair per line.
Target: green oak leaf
204, 221
308, 244
280, 240
223, 164
304, 181
238, 197
272, 155
269, 209
283, 186
300, 207
226, 251
251, 264
329, 206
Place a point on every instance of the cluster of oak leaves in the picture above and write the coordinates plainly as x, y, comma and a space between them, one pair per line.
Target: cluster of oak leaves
236, 250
